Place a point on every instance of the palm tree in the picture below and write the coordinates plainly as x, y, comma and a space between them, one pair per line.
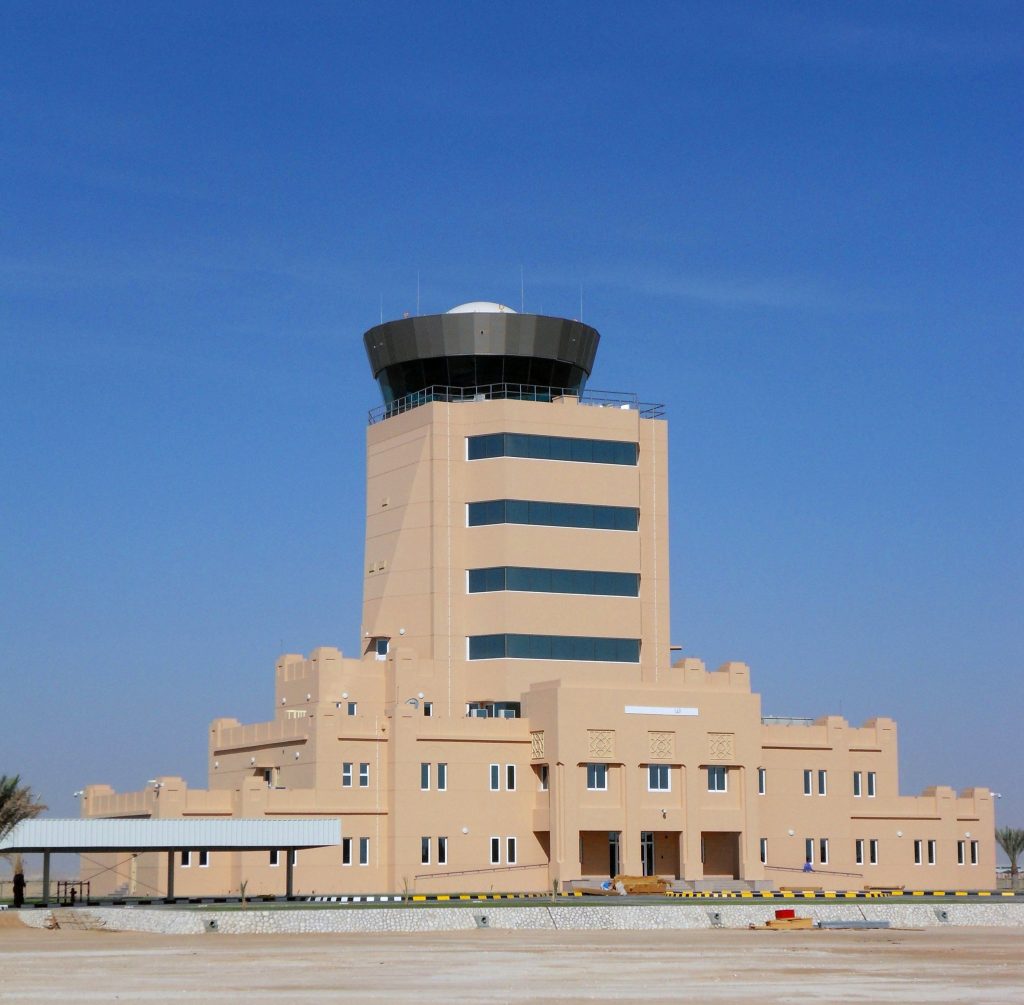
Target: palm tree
1011, 840
17, 803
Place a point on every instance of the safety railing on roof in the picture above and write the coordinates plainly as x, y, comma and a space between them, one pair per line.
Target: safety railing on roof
517, 392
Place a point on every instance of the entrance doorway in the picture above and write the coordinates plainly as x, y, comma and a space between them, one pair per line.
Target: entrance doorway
614, 854
647, 852
600, 853
659, 853
720, 853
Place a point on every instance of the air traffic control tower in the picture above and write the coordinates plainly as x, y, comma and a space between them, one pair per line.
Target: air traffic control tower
513, 519
514, 718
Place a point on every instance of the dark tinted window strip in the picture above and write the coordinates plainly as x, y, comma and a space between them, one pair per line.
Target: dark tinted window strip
527, 580
551, 448
549, 514
554, 647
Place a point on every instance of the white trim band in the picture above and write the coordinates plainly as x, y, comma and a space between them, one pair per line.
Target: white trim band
659, 710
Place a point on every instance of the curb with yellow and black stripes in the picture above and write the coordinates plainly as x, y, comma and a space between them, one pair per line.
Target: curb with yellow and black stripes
833, 894
881, 894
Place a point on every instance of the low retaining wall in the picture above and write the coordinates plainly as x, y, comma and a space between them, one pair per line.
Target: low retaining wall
174, 921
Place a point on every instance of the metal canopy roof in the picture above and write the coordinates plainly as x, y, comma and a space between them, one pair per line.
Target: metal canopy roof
170, 835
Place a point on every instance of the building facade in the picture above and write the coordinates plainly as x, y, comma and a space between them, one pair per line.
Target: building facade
514, 719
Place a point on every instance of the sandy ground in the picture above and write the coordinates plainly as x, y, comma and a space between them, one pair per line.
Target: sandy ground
934, 966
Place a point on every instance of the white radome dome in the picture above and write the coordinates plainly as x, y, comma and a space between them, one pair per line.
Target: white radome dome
481, 307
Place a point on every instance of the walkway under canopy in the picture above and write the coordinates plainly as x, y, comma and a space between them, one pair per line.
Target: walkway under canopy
141, 835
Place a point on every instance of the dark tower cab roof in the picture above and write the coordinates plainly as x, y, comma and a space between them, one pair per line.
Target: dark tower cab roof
477, 346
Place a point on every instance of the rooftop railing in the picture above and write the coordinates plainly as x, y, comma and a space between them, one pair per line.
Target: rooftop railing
516, 392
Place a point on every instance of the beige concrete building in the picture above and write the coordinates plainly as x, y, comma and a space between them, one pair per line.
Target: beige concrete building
513, 718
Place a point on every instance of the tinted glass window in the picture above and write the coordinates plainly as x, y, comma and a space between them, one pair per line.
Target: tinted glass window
560, 448
552, 448
486, 647
554, 647
517, 511
486, 580
548, 514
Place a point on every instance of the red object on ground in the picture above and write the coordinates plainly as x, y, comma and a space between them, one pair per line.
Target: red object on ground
785, 912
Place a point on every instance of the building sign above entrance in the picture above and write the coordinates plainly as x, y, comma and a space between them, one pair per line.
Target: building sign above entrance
658, 710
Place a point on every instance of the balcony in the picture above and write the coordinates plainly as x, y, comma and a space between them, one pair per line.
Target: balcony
516, 392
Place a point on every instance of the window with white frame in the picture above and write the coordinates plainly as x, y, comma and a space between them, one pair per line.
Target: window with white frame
353, 707
495, 850
762, 781
346, 775
823, 851
857, 779
428, 709
961, 853
974, 853
871, 784
542, 777
718, 778
822, 783
204, 859
764, 851
442, 776
858, 851
424, 776
274, 857
659, 778
424, 851
808, 782
918, 851
809, 850
186, 859
442, 850
495, 777
364, 851
346, 851
364, 775
510, 851
597, 776
932, 851
873, 851
510, 777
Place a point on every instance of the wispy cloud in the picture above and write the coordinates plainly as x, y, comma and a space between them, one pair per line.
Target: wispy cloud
721, 290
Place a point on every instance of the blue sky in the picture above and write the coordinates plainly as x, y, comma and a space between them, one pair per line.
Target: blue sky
798, 225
